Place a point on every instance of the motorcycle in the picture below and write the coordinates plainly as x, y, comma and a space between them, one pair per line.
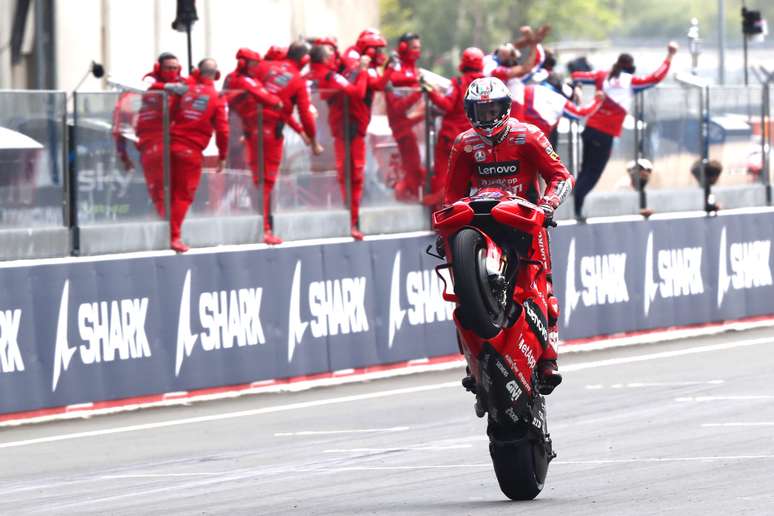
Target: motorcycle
484, 240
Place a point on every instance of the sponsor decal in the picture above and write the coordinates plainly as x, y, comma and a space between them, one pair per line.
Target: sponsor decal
480, 155
337, 307
468, 148
602, 278
424, 294
536, 322
512, 414
513, 389
677, 273
10, 355
503, 370
503, 168
226, 317
749, 265
108, 330
527, 352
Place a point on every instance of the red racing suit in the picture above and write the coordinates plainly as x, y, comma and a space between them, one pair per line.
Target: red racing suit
199, 112
515, 164
454, 122
283, 79
150, 138
609, 118
341, 95
543, 107
401, 94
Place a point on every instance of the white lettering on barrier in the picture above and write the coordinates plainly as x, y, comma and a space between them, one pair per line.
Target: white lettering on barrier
337, 308
750, 265
111, 330
678, 273
10, 355
227, 317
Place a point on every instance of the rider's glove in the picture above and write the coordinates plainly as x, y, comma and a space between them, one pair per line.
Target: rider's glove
548, 211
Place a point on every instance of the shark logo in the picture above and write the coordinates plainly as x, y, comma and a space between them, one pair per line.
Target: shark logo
10, 355
297, 327
750, 265
337, 307
424, 292
63, 353
227, 318
396, 312
571, 296
602, 280
678, 273
185, 340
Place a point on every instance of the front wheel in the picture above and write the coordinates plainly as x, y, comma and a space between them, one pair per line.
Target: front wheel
482, 306
520, 463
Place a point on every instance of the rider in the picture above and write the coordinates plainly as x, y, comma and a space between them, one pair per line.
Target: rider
502, 152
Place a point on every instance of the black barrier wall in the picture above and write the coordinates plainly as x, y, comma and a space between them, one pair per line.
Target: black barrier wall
86, 331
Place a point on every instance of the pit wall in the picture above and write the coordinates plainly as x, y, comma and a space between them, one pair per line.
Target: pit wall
86, 330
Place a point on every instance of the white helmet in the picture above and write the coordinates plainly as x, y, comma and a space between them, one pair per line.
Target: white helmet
488, 105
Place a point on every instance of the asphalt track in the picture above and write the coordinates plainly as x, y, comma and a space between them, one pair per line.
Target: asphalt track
685, 427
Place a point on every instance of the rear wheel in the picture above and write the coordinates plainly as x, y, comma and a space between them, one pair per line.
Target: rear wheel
483, 307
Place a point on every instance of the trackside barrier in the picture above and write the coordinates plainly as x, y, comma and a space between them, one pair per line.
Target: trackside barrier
85, 331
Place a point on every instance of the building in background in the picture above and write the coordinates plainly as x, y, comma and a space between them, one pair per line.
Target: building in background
49, 44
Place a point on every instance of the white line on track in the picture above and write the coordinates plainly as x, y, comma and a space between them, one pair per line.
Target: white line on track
760, 423
637, 385
700, 399
400, 449
369, 396
337, 432
666, 354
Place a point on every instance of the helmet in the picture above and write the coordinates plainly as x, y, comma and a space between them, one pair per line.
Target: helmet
276, 53
244, 55
488, 105
472, 60
371, 43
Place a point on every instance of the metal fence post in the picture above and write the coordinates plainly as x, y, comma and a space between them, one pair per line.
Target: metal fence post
766, 138
72, 183
347, 157
265, 210
429, 146
639, 116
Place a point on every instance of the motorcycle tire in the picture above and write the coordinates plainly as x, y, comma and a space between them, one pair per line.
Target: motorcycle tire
520, 465
471, 284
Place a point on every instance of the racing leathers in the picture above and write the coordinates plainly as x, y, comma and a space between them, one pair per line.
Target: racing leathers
199, 112
514, 161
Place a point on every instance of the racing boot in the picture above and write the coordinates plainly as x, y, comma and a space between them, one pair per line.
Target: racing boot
268, 235
548, 376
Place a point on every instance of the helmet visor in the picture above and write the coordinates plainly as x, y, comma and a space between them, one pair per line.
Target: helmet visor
488, 113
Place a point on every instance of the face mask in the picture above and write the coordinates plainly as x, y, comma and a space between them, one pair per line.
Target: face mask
629, 69
169, 75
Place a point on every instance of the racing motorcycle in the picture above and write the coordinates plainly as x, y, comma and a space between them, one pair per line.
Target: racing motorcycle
484, 240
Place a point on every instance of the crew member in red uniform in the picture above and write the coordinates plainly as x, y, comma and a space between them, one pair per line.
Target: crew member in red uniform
340, 93
544, 106
619, 86
501, 152
199, 112
283, 79
276, 53
454, 119
165, 76
369, 44
402, 93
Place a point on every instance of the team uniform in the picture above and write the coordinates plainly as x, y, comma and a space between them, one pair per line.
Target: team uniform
199, 112
516, 85
606, 123
544, 106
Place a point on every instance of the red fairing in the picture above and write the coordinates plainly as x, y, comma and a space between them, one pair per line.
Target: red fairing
200, 112
284, 79
512, 165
